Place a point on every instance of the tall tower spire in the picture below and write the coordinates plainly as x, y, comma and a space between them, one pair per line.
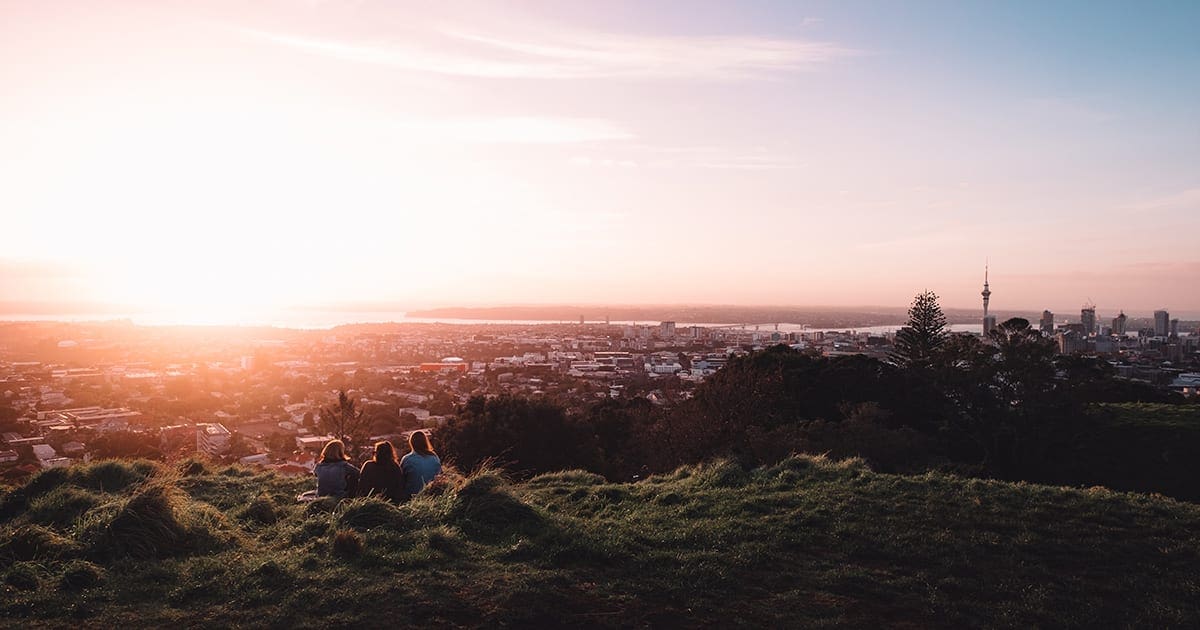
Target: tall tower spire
989, 321
987, 293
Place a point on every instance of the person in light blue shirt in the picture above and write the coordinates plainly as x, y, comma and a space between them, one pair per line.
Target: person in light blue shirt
421, 465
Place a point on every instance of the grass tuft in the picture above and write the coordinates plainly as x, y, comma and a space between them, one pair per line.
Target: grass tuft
485, 508
368, 513
81, 574
347, 543
23, 576
261, 510
156, 522
34, 542
61, 507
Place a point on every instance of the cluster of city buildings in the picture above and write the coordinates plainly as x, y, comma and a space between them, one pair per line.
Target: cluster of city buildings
258, 399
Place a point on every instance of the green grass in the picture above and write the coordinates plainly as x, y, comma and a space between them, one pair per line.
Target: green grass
1141, 414
808, 543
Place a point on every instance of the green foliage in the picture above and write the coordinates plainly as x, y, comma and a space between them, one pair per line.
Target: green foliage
524, 436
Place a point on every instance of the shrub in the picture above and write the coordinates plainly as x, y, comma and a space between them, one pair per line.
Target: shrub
80, 574
347, 543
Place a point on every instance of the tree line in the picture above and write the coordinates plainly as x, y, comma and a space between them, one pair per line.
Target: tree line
1005, 406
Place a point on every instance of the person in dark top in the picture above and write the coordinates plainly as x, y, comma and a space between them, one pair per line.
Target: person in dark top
381, 476
336, 476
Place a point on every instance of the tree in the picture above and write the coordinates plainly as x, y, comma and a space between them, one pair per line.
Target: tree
918, 342
525, 436
344, 420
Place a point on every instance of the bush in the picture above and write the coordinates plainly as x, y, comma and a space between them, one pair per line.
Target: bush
80, 574
347, 543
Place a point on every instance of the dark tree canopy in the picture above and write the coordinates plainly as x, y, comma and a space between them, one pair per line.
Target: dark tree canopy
918, 342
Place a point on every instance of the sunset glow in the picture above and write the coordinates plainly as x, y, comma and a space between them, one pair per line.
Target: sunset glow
222, 159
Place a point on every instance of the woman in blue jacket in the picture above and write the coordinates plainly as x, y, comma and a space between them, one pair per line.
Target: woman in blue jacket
336, 476
421, 465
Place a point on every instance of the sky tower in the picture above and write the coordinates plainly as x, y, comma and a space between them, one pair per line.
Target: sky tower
989, 321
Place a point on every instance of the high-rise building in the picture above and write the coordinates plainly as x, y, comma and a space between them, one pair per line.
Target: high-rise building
989, 321
1087, 317
1175, 327
212, 438
1047, 323
1118, 324
667, 330
1162, 323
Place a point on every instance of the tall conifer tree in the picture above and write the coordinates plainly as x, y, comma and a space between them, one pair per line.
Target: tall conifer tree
918, 342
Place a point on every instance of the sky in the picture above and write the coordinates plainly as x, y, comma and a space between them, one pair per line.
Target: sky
226, 156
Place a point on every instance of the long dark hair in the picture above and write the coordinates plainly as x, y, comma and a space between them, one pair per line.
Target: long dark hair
418, 442
385, 454
334, 451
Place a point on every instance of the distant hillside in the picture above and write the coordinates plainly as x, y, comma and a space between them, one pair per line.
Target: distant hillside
804, 543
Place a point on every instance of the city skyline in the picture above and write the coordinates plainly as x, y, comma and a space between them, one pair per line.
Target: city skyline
227, 159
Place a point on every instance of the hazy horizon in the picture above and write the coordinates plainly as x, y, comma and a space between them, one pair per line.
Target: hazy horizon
226, 159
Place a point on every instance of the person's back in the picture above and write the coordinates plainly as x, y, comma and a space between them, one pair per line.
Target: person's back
419, 470
331, 478
382, 476
335, 475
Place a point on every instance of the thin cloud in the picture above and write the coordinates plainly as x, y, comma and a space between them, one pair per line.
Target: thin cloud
700, 157
1186, 200
512, 130
556, 53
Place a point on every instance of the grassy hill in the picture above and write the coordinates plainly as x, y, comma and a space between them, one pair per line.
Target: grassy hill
807, 542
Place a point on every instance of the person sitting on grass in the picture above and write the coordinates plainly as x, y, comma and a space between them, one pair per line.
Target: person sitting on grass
381, 475
336, 476
421, 465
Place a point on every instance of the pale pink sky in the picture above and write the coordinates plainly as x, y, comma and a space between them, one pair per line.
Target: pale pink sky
231, 155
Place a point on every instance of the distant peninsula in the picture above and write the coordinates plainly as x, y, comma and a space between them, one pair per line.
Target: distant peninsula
816, 316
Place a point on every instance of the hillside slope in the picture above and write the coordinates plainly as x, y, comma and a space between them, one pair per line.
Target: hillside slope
807, 542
